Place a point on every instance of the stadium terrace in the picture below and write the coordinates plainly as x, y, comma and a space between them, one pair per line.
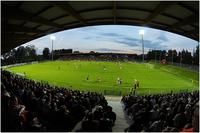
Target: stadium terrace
67, 90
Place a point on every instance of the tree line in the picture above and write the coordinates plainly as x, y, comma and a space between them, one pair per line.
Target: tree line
28, 54
20, 55
173, 56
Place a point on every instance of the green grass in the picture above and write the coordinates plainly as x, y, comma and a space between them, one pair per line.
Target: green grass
154, 78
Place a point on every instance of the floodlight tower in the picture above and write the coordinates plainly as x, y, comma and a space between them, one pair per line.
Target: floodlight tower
52, 38
141, 32
155, 55
172, 56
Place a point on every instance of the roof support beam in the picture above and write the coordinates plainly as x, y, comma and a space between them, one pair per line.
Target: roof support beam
41, 11
24, 16
115, 11
125, 8
162, 6
10, 35
194, 31
108, 20
12, 28
186, 21
183, 4
69, 10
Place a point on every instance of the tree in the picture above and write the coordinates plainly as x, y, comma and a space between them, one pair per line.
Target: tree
156, 54
196, 56
179, 57
46, 53
186, 57
31, 52
174, 52
151, 55
92, 52
164, 52
20, 53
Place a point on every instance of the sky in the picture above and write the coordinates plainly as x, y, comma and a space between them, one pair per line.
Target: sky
114, 39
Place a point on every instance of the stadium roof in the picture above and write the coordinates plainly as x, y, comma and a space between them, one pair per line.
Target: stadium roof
23, 21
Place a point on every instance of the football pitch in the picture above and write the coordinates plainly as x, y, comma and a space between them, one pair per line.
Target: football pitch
102, 76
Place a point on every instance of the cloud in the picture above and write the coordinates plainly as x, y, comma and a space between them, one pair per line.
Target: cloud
109, 50
111, 34
133, 42
86, 38
123, 40
119, 38
163, 37
88, 28
128, 41
154, 45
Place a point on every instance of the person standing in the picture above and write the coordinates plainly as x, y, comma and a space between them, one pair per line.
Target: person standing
135, 86
118, 80
138, 84
87, 78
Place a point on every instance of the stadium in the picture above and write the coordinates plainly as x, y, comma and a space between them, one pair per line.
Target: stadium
85, 72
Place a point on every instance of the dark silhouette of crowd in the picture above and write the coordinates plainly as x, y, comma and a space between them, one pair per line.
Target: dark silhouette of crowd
162, 113
100, 119
28, 105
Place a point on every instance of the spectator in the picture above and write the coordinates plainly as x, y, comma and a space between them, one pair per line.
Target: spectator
195, 121
33, 106
167, 112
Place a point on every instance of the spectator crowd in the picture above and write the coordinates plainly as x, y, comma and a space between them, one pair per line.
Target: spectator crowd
28, 105
162, 113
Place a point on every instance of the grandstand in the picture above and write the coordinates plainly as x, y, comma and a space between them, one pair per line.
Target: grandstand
31, 105
45, 108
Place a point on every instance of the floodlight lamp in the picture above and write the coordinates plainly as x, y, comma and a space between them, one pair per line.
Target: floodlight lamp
52, 37
141, 32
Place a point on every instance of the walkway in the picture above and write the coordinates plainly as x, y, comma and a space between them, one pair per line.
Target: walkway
120, 123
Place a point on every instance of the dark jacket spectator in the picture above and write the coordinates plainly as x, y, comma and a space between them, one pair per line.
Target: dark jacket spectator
156, 113
54, 108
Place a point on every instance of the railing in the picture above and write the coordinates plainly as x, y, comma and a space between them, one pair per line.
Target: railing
19, 64
148, 91
187, 66
191, 67
112, 92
